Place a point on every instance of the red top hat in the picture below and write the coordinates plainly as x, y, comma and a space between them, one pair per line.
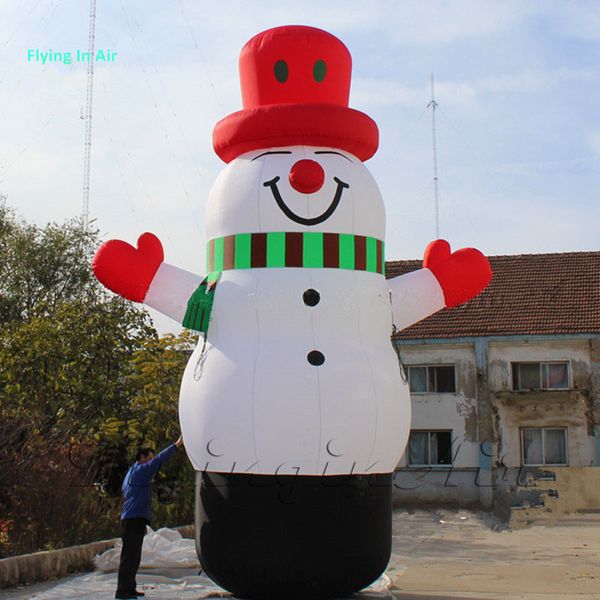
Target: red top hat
295, 87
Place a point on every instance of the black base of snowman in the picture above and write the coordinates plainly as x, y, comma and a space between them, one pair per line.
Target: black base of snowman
287, 536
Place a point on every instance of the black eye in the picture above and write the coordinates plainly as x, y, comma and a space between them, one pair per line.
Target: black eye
319, 70
281, 71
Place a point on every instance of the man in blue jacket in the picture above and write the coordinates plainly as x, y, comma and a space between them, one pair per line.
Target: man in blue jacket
136, 514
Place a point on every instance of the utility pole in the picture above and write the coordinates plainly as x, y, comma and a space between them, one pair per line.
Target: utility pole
87, 116
436, 206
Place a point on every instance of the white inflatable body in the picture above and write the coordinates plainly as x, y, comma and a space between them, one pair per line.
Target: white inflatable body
250, 400
293, 408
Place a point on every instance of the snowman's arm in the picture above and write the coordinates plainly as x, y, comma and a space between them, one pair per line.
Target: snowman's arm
446, 279
414, 296
140, 274
170, 291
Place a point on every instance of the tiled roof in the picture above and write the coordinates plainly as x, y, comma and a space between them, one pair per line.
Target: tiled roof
530, 294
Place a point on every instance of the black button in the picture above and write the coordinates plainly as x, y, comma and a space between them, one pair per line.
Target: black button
316, 358
311, 297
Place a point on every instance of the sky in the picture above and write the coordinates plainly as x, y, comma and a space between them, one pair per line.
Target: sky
518, 126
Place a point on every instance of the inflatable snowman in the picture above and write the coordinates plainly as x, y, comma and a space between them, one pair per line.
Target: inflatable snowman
292, 407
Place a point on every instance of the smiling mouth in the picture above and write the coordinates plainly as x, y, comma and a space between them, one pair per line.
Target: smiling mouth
272, 183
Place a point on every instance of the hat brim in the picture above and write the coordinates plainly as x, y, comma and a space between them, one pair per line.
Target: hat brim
278, 125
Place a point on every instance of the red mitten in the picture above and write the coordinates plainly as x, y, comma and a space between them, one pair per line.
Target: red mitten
462, 274
126, 270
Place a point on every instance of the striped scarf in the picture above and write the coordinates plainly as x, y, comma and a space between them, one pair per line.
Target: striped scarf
279, 249
308, 249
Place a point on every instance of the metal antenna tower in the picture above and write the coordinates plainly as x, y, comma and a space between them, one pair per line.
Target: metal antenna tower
87, 116
436, 206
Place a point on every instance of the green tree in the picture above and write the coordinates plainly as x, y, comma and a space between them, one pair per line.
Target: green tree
155, 377
84, 380
40, 267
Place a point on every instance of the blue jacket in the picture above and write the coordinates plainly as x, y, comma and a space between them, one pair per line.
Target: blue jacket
137, 486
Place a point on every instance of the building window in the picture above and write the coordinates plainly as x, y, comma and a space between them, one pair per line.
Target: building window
540, 376
430, 448
434, 379
544, 446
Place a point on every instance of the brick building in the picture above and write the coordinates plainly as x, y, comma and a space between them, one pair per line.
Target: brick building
506, 390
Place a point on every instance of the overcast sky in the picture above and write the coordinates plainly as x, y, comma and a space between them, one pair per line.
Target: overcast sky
518, 87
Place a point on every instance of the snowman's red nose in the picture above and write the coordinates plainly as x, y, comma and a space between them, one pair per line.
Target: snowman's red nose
307, 176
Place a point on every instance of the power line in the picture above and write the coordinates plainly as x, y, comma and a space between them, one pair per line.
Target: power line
150, 197
34, 5
123, 179
199, 56
161, 120
44, 21
28, 144
165, 91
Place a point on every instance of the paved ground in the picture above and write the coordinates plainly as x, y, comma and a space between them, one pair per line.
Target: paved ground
438, 556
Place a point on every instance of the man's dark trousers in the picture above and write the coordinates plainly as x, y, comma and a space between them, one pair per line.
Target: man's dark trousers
132, 534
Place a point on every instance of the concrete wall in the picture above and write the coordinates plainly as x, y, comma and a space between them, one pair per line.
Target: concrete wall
432, 488
458, 411
556, 408
41, 566
508, 484
578, 490
534, 495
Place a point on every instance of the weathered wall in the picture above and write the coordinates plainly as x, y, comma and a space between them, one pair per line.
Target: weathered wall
595, 398
577, 409
578, 490
432, 488
514, 410
448, 411
535, 495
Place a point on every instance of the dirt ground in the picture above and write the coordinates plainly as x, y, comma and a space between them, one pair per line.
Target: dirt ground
460, 555
457, 555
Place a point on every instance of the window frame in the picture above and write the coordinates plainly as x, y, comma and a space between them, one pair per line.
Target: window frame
427, 377
430, 464
541, 363
543, 430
